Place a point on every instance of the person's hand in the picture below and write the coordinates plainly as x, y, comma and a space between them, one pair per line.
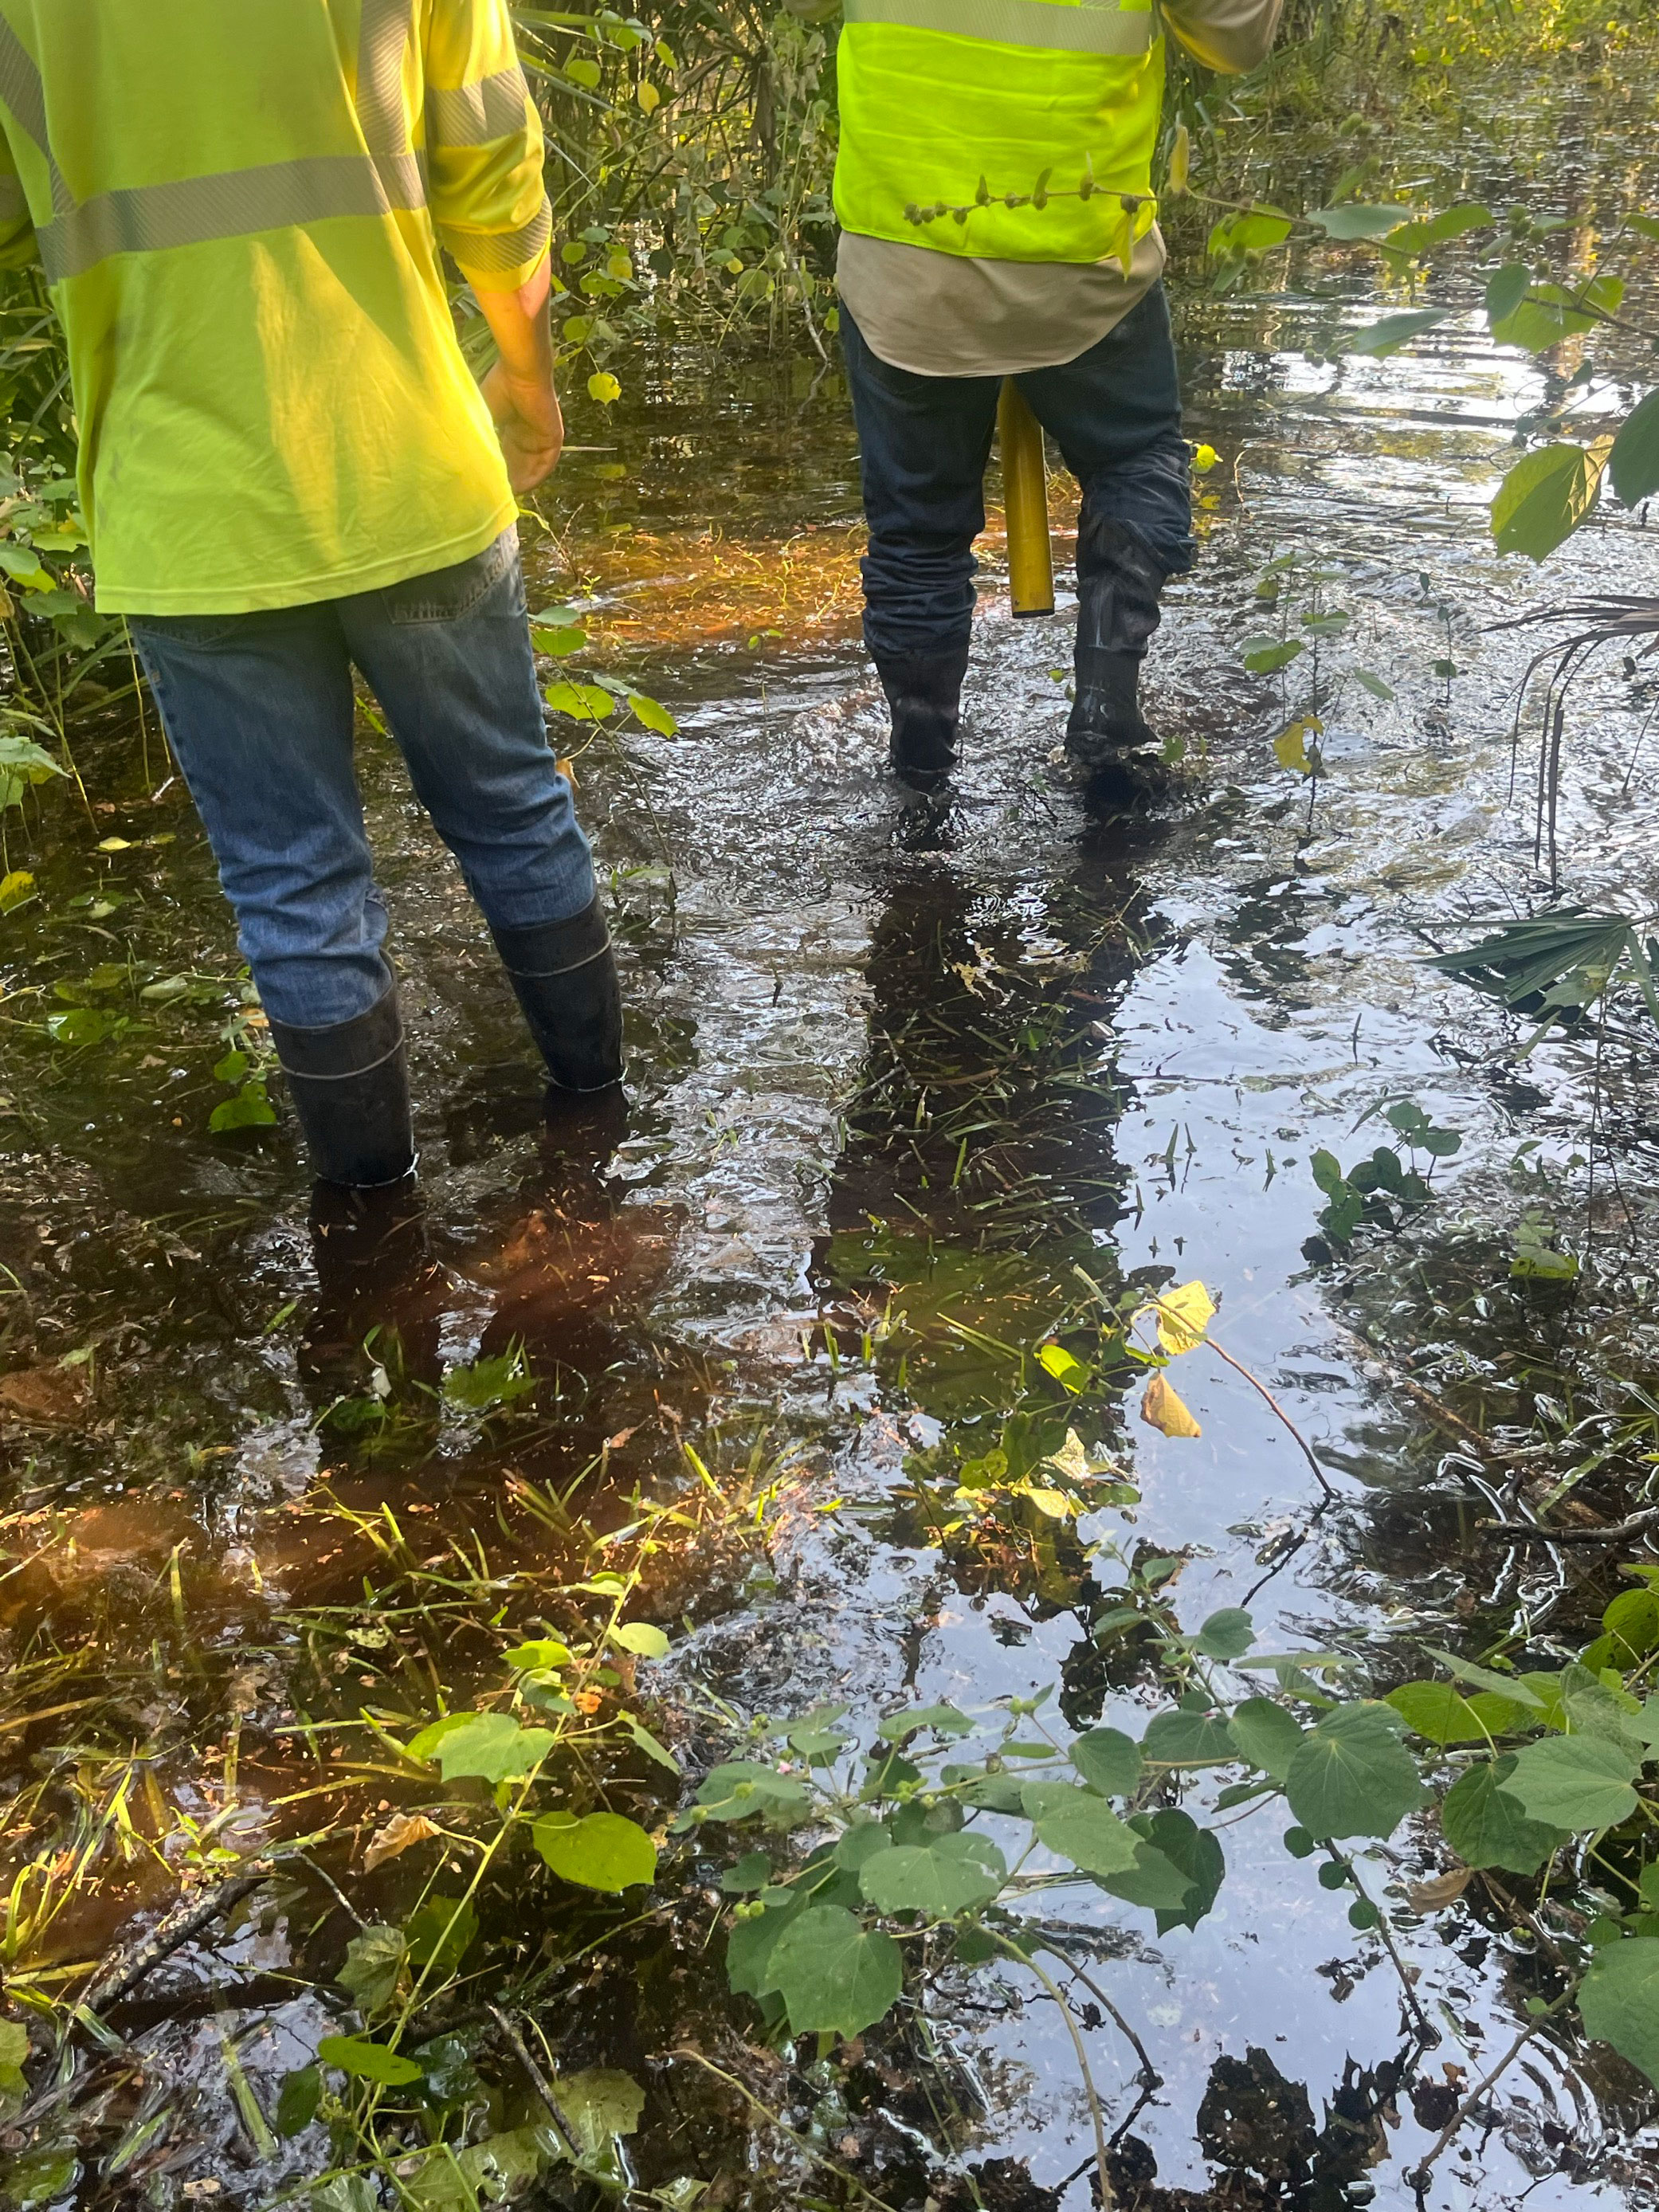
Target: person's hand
528, 421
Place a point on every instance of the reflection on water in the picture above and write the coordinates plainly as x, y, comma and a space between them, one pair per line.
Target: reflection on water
899, 1073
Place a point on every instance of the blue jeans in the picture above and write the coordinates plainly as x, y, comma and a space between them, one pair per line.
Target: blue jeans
259, 712
1115, 412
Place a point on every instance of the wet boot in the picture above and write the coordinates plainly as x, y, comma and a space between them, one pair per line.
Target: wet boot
350, 1083
924, 691
377, 1284
564, 974
1108, 735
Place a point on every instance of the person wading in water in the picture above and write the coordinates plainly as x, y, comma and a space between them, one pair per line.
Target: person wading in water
288, 473
949, 107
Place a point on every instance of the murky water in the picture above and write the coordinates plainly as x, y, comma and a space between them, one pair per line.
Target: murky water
899, 1069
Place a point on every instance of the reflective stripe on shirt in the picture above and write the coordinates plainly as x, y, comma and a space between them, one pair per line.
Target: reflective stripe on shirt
1088, 28
493, 252
478, 114
279, 196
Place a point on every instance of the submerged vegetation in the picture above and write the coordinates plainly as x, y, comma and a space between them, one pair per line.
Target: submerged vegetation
475, 1730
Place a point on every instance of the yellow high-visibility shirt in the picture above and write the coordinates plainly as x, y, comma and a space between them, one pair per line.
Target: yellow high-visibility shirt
238, 204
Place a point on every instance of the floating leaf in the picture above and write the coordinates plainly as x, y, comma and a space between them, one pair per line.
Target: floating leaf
1183, 1316
1080, 1826
1444, 1890
1109, 1761
601, 2102
602, 1850
454, 2180
16, 890
1387, 335
484, 1385
1619, 2001
1351, 1775
939, 1879
374, 1961
835, 1976
1573, 1782
367, 2062
1161, 1408
1544, 498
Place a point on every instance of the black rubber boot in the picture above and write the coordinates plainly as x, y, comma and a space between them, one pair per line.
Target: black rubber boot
1119, 584
564, 974
350, 1083
924, 691
376, 1280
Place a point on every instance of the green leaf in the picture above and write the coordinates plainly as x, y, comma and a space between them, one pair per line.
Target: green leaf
1389, 332
367, 2062
460, 2180
1352, 221
544, 1655
1351, 1775
441, 1931
250, 1108
1069, 1372
1542, 317
14, 2045
583, 703
1109, 1761
1078, 1826
297, 2100
1268, 657
653, 713
601, 2102
1574, 1781
484, 1384
835, 1977
642, 1637
1226, 1635
751, 1943
86, 1026
1266, 1734
490, 1746
602, 1850
1253, 230
1372, 683
1544, 498
1509, 1687
939, 1879
1437, 1713
1619, 2001
740, 1788
943, 1720
373, 1963
1505, 290
1185, 1738
1198, 1862
1487, 1828
1633, 464
1154, 1881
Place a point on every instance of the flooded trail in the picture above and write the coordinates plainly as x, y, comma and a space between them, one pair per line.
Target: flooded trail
915, 1086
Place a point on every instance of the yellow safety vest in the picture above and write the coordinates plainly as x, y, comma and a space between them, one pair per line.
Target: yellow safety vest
950, 108
238, 204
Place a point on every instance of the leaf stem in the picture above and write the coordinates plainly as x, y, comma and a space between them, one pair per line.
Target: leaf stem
1108, 2196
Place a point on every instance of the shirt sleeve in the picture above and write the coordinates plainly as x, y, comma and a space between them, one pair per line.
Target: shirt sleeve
18, 246
484, 146
1233, 36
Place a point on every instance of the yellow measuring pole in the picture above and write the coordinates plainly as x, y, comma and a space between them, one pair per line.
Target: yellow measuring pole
1025, 491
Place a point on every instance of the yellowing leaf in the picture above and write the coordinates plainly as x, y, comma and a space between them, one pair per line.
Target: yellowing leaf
649, 98
1204, 460
400, 1833
1444, 1889
1290, 745
603, 387
16, 890
1181, 163
1161, 1408
1183, 1316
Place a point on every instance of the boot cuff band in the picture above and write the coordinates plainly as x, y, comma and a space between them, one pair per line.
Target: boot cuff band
343, 1049
554, 948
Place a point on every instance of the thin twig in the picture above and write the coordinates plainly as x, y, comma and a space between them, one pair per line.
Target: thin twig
1239, 1368
1107, 2196
1150, 2077
1418, 2177
807, 2150
123, 1975
1634, 1526
538, 2081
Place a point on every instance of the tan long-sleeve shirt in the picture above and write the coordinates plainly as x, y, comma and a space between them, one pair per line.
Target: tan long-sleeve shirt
948, 314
